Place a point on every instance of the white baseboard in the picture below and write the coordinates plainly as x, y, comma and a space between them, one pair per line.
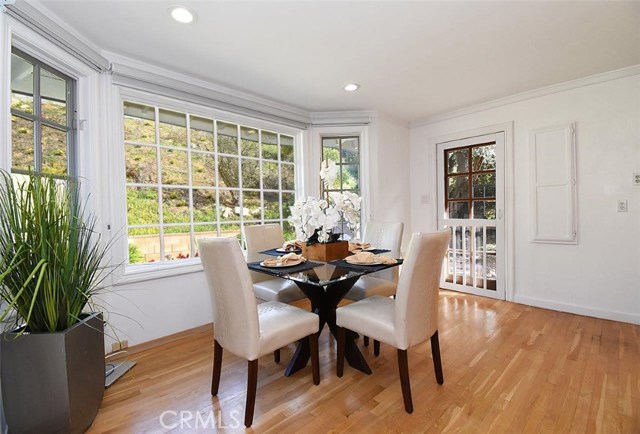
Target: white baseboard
580, 310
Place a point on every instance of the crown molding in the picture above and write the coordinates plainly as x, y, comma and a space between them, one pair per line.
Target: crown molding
139, 75
343, 118
536, 93
38, 18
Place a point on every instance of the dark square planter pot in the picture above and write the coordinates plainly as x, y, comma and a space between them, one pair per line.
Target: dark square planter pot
53, 382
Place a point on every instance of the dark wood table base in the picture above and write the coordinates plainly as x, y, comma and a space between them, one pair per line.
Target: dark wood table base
324, 302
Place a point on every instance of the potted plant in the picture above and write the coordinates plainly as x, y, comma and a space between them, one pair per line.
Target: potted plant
315, 220
52, 358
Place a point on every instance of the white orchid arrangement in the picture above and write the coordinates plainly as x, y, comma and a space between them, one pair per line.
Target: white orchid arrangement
313, 217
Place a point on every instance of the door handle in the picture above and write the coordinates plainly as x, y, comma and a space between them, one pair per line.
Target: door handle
499, 213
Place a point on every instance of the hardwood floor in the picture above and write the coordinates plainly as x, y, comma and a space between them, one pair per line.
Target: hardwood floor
508, 368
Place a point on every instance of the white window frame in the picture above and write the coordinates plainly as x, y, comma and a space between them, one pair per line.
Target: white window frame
140, 272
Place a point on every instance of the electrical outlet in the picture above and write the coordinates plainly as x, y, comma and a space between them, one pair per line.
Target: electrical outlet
121, 345
622, 206
636, 179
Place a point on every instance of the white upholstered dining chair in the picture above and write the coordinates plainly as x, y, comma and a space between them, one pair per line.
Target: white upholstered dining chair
243, 327
381, 236
409, 319
268, 288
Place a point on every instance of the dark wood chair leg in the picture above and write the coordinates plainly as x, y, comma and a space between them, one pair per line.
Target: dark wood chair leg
276, 356
437, 362
376, 348
403, 367
217, 367
340, 356
252, 385
315, 359
366, 341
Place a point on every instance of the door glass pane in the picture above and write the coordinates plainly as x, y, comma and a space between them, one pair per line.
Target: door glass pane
175, 205
484, 209
201, 133
484, 157
227, 138
230, 231
288, 199
54, 151
173, 128
250, 146
53, 96
139, 123
203, 169
458, 187
141, 164
491, 239
22, 143
204, 205
458, 161
21, 84
484, 185
459, 210
175, 169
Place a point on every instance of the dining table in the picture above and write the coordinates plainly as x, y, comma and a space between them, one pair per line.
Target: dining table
325, 284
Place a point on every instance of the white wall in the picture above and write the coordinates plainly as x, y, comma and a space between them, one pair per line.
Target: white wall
147, 310
601, 275
389, 174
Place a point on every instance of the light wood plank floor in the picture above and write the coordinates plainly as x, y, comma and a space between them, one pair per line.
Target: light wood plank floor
508, 368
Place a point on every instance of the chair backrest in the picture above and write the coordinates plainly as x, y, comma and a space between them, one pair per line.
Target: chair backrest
416, 305
263, 237
384, 235
235, 313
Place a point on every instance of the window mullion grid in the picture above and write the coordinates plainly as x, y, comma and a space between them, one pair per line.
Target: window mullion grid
280, 183
156, 111
241, 193
261, 184
37, 124
190, 183
217, 176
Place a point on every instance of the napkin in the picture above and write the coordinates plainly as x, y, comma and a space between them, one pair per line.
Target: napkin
289, 258
353, 246
370, 258
290, 246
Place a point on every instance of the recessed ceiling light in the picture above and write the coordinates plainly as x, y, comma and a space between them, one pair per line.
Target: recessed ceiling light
182, 14
351, 87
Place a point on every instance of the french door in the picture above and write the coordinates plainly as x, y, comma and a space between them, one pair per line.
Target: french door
471, 203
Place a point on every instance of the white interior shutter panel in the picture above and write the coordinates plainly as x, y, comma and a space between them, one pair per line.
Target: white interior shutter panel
553, 185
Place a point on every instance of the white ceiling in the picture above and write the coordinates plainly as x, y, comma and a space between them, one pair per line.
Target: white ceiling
412, 59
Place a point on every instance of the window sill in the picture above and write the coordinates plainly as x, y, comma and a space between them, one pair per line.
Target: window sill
141, 273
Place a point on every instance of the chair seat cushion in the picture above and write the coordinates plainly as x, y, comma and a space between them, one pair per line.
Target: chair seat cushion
277, 290
373, 317
368, 286
281, 324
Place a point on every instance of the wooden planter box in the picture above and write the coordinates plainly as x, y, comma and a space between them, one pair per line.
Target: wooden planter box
326, 252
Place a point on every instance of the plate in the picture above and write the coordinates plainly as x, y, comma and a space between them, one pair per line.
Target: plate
290, 264
364, 263
283, 250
